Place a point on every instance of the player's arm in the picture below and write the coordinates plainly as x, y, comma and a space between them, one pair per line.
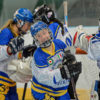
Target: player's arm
4, 53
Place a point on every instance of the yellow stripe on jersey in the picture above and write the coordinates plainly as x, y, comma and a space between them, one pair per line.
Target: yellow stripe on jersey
41, 66
57, 30
46, 88
7, 84
56, 51
50, 52
52, 94
11, 84
42, 87
7, 79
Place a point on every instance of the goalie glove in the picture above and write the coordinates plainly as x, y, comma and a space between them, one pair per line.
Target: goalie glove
81, 38
28, 50
16, 44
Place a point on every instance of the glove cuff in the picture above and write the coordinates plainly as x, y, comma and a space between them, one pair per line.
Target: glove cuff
8, 51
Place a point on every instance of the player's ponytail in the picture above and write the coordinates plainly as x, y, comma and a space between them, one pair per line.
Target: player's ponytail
7, 24
60, 24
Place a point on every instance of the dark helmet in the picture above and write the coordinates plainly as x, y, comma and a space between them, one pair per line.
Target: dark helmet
44, 13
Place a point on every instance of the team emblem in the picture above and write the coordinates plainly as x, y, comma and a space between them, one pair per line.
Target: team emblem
50, 61
60, 56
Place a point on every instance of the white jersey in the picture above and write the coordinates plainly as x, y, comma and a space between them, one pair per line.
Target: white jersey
57, 33
5, 58
94, 48
46, 70
89, 43
66, 38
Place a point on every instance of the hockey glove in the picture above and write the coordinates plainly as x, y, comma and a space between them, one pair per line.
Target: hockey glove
68, 58
16, 44
28, 50
70, 68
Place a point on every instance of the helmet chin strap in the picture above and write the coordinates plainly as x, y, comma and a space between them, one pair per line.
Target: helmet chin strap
20, 28
22, 32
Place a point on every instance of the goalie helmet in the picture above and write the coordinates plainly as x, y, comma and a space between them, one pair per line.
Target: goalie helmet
44, 13
35, 28
24, 15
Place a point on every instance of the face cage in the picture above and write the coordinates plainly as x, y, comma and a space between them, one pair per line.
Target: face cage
46, 43
43, 18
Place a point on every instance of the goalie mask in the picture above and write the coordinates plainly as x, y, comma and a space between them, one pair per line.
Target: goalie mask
41, 34
44, 13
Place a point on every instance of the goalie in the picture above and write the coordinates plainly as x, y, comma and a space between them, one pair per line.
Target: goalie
91, 44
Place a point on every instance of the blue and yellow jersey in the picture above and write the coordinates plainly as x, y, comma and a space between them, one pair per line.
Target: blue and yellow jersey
46, 70
54, 27
5, 36
57, 33
5, 80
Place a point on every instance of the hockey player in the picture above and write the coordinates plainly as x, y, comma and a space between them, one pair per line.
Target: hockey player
91, 44
50, 81
10, 45
47, 15
60, 31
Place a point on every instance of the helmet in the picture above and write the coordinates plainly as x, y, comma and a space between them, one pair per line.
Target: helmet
44, 13
35, 28
38, 26
23, 14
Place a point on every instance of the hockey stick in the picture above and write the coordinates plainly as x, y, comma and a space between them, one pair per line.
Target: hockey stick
72, 82
65, 13
24, 92
25, 86
65, 4
99, 25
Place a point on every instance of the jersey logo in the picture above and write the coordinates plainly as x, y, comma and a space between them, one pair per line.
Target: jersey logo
59, 56
61, 82
68, 41
65, 29
50, 61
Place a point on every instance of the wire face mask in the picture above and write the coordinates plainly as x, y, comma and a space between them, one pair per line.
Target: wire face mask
45, 44
35, 28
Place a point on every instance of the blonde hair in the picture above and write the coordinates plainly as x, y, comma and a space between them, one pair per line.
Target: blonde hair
9, 24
